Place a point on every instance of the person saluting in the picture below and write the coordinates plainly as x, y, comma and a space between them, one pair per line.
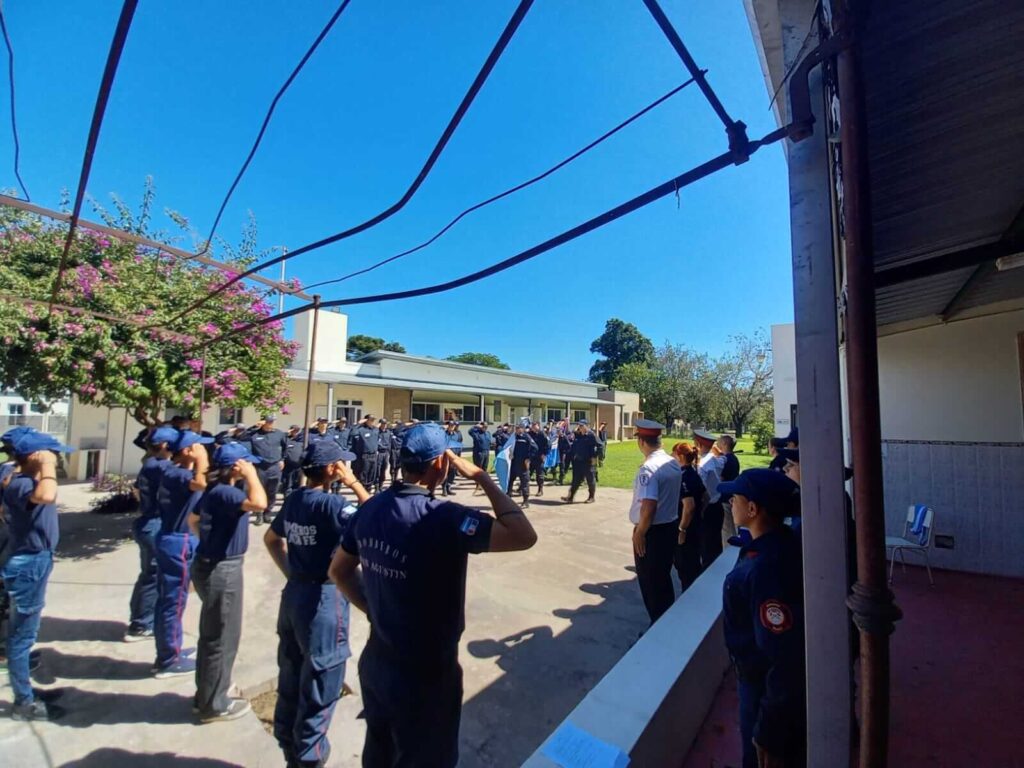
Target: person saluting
403, 562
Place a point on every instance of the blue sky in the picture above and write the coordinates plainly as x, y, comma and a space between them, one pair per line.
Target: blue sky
354, 129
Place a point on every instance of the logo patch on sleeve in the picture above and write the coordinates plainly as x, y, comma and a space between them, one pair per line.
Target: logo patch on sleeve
642, 478
469, 525
775, 616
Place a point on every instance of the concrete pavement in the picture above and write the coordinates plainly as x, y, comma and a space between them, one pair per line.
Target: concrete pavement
542, 627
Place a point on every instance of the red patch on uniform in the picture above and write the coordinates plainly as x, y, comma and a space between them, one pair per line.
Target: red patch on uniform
751, 555
775, 616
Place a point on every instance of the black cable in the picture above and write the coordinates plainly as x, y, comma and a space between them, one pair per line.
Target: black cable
507, 192
124, 23
671, 186
266, 120
467, 100
14, 121
688, 61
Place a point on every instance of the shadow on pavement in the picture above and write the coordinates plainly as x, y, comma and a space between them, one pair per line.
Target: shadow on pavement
546, 675
54, 664
54, 629
84, 535
108, 756
83, 709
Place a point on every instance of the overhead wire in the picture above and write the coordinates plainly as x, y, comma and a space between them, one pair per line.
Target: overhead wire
266, 120
14, 119
124, 23
606, 135
485, 71
669, 187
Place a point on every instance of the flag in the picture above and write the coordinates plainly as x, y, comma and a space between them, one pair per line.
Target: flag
503, 461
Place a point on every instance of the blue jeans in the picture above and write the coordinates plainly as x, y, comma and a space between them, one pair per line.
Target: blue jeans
25, 578
143, 604
173, 559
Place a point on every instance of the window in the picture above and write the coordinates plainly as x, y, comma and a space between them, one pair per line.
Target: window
554, 414
16, 410
426, 411
578, 416
470, 413
625, 418
349, 409
230, 416
452, 413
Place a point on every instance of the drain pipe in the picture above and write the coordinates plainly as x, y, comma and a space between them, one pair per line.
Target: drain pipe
872, 601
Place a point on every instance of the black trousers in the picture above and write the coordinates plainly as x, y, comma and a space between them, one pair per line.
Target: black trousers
687, 554
365, 468
580, 472
481, 459
383, 459
654, 569
395, 455
563, 466
291, 478
270, 479
520, 472
220, 587
711, 534
537, 470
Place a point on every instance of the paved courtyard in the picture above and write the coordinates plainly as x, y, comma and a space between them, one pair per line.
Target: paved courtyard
542, 628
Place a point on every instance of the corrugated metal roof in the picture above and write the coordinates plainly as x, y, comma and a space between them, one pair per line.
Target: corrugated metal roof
918, 298
996, 286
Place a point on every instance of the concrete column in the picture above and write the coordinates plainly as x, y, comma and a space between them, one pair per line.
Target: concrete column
483, 409
330, 402
821, 439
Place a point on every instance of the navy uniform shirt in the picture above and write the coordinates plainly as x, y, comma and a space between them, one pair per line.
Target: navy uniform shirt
384, 438
223, 524
500, 438
524, 448
31, 528
269, 446
481, 439
564, 443
148, 484
364, 440
764, 632
293, 450
413, 550
312, 522
454, 441
396, 438
175, 500
542, 442
316, 436
7, 468
691, 486
584, 448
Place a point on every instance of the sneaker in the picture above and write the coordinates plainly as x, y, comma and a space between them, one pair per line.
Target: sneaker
135, 634
179, 668
236, 709
35, 710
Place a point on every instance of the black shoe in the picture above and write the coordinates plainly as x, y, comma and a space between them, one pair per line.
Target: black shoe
268, 518
590, 500
257, 519
540, 491
525, 504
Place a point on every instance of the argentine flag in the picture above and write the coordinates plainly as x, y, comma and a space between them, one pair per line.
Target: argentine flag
503, 461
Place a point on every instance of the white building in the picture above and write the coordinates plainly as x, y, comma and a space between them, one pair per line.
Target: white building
17, 411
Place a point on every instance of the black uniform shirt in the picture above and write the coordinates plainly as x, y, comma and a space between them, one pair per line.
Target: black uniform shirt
523, 449
584, 448
384, 437
542, 442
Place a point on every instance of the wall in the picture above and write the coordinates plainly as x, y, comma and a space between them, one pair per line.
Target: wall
109, 429
784, 376
331, 340
397, 404
959, 381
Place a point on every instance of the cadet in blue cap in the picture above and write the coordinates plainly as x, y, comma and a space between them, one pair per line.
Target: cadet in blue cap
413, 549
763, 620
365, 438
181, 485
269, 444
481, 445
312, 622
145, 529
221, 522
30, 507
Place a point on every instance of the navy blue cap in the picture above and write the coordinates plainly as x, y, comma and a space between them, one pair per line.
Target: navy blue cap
423, 442
790, 454
163, 435
793, 436
583, 421
769, 489
14, 433
187, 438
30, 442
227, 454
324, 452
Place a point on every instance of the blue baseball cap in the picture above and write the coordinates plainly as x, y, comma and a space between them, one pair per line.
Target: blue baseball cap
771, 490
14, 433
227, 454
163, 435
30, 442
324, 452
583, 421
187, 438
423, 442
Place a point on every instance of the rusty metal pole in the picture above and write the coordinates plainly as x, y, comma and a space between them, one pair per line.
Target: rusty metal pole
312, 366
871, 602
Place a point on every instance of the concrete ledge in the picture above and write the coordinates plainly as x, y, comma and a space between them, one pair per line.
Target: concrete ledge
652, 703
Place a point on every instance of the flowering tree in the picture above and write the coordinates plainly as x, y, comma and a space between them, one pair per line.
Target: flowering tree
47, 355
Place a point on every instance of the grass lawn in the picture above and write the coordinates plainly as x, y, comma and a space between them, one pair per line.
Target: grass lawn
625, 458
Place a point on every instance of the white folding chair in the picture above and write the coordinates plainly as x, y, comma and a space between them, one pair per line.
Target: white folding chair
919, 541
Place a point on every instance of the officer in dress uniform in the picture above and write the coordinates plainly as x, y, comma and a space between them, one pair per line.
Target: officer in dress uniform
145, 529
537, 463
583, 454
313, 621
291, 478
764, 623
413, 552
481, 445
524, 453
384, 438
181, 486
269, 445
730, 471
365, 438
710, 468
655, 517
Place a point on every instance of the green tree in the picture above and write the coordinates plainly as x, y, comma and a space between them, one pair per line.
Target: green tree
146, 367
621, 343
479, 358
360, 345
653, 386
744, 377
